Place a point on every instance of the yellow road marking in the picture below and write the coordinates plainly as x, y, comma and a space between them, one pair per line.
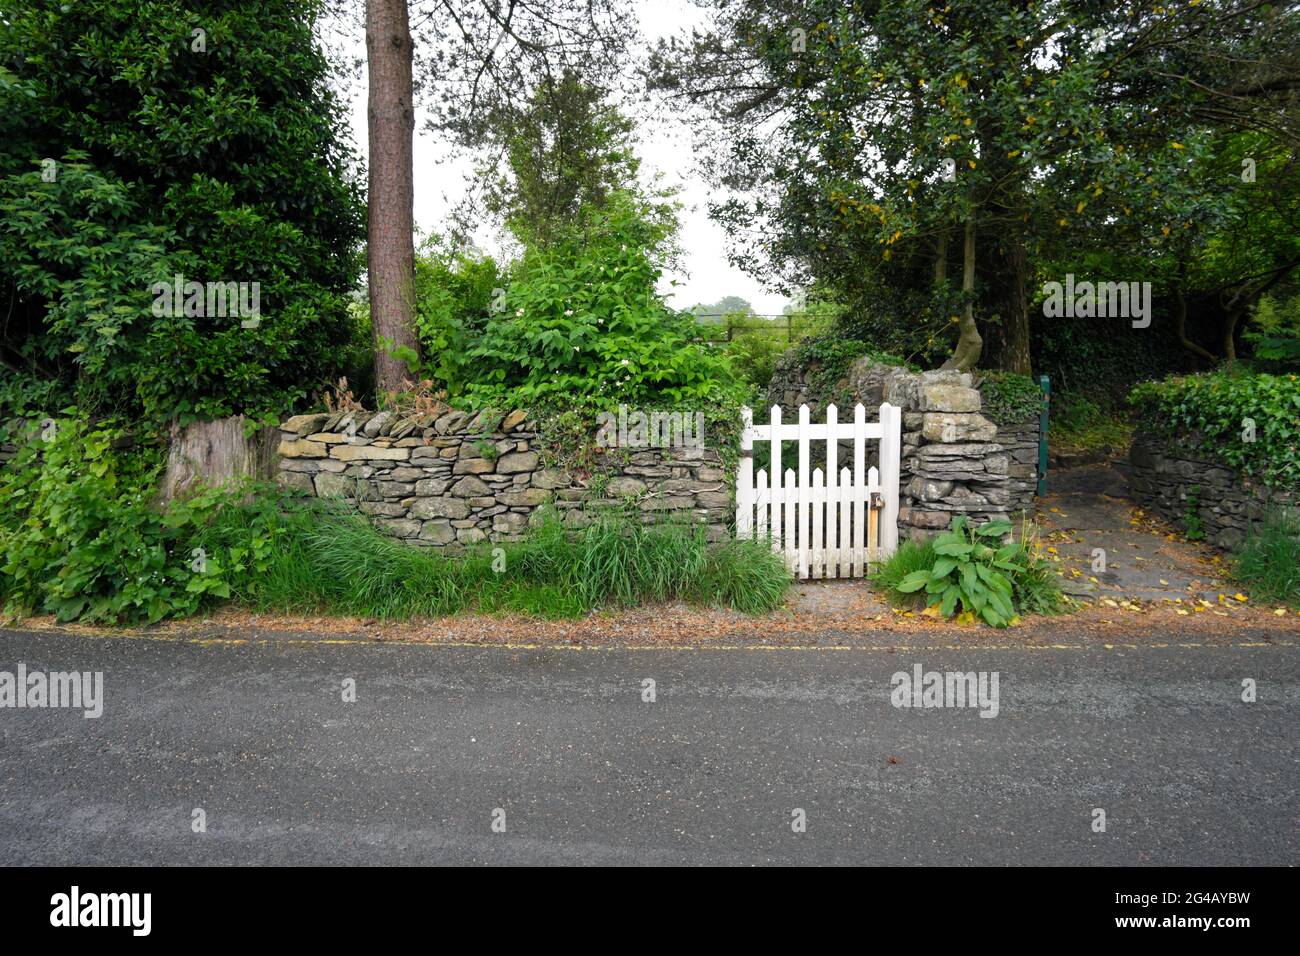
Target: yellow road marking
511, 646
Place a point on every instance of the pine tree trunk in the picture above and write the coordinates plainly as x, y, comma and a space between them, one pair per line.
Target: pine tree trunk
391, 243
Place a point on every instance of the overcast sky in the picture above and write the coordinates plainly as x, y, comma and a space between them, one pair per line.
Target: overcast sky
664, 147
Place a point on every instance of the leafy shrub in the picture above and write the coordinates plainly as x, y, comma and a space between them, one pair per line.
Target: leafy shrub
1274, 333
907, 559
454, 291
582, 319
223, 166
973, 570
1268, 563
1010, 398
1214, 412
81, 537
753, 355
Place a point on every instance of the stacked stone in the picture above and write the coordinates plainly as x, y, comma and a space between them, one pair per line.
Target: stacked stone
1171, 482
952, 463
789, 384
1020, 442
457, 478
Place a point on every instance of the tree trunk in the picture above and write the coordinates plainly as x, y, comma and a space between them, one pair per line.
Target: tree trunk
210, 454
1015, 310
966, 354
941, 258
391, 243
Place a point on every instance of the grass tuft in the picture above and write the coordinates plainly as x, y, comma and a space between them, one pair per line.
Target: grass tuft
1268, 564
323, 558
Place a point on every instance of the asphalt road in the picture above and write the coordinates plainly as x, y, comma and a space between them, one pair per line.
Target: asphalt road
260, 739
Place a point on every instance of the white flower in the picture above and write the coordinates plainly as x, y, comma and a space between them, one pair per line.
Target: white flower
568, 312
624, 362
519, 313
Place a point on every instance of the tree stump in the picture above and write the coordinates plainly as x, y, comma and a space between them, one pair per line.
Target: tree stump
213, 453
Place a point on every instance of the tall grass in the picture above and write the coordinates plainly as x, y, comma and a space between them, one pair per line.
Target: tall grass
1268, 564
326, 559
907, 557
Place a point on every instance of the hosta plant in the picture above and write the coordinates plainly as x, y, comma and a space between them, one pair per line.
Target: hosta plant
976, 572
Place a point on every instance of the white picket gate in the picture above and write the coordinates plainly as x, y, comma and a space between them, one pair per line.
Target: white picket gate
829, 528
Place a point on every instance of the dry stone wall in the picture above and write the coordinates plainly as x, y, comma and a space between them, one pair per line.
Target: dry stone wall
458, 478
1176, 484
954, 460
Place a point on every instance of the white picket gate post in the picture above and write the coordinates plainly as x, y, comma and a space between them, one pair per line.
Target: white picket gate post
891, 439
745, 477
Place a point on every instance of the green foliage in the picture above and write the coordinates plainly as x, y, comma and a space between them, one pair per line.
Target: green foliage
81, 536
973, 570
1268, 563
454, 295
582, 319
909, 558
1193, 526
566, 150
1274, 334
332, 560
1079, 422
1010, 398
1214, 413
222, 166
753, 355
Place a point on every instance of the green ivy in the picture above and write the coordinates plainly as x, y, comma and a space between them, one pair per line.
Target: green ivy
1010, 398
1249, 422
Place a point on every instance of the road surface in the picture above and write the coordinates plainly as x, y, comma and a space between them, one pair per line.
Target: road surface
561, 750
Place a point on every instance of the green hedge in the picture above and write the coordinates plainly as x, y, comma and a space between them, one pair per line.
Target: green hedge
1214, 413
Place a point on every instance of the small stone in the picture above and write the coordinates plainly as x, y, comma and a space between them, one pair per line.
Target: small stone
399, 527
469, 487
524, 497
375, 427
551, 478
949, 428
472, 466
949, 398
304, 424
429, 487
624, 488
